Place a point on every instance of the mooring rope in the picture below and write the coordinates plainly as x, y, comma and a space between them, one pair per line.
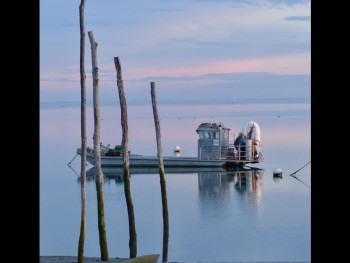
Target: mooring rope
300, 168
292, 175
69, 164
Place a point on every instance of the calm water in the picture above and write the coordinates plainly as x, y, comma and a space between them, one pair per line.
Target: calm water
214, 216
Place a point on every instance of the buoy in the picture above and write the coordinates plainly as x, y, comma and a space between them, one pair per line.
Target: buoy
277, 172
177, 149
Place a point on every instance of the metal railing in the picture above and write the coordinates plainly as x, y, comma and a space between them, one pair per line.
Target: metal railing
239, 153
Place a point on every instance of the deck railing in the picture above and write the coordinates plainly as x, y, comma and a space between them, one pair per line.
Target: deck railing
249, 153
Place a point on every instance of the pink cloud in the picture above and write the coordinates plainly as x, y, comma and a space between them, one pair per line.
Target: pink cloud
278, 64
223, 66
285, 64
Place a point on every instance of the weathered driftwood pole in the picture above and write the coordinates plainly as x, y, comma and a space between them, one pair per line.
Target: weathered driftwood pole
161, 175
83, 135
125, 142
165, 244
97, 152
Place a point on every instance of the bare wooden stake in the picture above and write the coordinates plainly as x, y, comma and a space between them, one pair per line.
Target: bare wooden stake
97, 152
161, 174
125, 142
83, 135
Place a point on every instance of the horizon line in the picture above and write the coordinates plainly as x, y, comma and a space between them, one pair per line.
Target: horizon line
105, 103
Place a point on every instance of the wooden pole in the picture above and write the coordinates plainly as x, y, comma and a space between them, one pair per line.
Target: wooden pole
165, 244
125, 142
161, 175
83, 135
97, 152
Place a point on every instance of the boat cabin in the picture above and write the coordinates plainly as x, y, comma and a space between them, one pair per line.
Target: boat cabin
213, 141
214, 144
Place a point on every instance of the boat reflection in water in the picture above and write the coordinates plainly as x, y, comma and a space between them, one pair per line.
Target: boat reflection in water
212, 181
218, 183
217, 189
249, 181
116, 173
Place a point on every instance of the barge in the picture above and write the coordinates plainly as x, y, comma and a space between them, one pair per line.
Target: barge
214, 150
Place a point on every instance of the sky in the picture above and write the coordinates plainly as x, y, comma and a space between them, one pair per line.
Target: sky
191, 49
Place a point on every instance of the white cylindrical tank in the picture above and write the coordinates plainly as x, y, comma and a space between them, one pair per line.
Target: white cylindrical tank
248, 148
256, 131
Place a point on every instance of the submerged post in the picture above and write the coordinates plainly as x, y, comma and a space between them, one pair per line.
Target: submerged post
125, 142
83, 135
97, 152
161, 175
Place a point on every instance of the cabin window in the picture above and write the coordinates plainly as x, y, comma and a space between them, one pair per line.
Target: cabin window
216, 135
207, 135
201, 135
225, 135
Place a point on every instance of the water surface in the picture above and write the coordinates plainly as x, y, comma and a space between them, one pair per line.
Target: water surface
214, 215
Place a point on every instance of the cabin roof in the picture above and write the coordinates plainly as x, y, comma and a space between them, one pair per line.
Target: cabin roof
207, 126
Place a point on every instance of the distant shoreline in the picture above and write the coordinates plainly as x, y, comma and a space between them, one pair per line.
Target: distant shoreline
73, 104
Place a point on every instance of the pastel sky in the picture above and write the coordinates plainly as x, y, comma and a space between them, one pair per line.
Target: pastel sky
192, 49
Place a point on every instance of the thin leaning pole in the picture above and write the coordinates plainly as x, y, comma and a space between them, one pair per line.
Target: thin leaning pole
83, 135
161, 175
125, 142
97, 152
